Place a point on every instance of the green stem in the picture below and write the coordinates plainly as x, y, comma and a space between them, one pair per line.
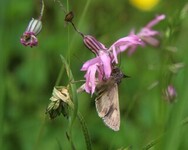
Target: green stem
85, 131
59, 76
152, 143
2, 71
42, 10
74, 97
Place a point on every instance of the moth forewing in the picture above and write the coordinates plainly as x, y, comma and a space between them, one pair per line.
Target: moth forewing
107, 104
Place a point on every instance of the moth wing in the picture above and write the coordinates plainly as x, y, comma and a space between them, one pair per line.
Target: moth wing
107, 105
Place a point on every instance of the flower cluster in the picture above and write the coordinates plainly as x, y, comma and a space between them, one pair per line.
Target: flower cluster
100, 68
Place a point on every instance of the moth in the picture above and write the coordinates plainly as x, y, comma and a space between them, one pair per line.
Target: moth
107, 100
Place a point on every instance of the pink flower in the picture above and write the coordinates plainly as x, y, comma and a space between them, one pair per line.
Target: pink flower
147, 33
97, 69
100, 67
29, 36
29, 39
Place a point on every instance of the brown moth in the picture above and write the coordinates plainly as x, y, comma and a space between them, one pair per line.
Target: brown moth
107, 101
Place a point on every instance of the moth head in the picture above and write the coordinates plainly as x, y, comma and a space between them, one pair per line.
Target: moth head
117, 74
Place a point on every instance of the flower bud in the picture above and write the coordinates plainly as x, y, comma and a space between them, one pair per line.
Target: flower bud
34, 26
170, 93
92, 44
69, 17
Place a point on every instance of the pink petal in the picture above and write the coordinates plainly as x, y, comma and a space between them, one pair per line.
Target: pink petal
115, 54
90, 62
155, 21
147, 32
90, 79
151, 41
92, 44
132, 50
106, 61
125, 42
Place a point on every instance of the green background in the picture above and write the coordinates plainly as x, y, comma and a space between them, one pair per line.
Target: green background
28, 76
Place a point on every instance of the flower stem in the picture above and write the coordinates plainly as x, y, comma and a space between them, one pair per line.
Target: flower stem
42, 10
59, 76
85, 131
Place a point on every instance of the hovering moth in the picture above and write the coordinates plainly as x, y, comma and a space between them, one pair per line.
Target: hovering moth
107, 100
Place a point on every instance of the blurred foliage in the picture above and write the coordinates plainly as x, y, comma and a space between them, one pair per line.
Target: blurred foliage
28, 76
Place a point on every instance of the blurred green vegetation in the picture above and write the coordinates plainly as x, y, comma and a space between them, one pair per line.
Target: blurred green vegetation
28, 75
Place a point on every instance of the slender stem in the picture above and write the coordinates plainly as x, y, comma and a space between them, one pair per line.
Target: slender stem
2, 98
42, 10
67, 5
85, 131
77, 29
59, 76
2, 72
152, 143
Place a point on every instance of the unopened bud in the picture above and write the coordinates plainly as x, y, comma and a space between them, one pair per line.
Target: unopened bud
92, 44
170, 93
69, 17
34, 26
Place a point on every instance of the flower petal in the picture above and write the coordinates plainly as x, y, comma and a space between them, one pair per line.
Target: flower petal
92, 44
115, 54
90, 79
147, 32
90, 62
125, 42
155, 21
106, 61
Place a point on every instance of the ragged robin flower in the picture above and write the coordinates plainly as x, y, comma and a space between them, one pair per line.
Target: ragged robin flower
147, 34
29, 37
100, 68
